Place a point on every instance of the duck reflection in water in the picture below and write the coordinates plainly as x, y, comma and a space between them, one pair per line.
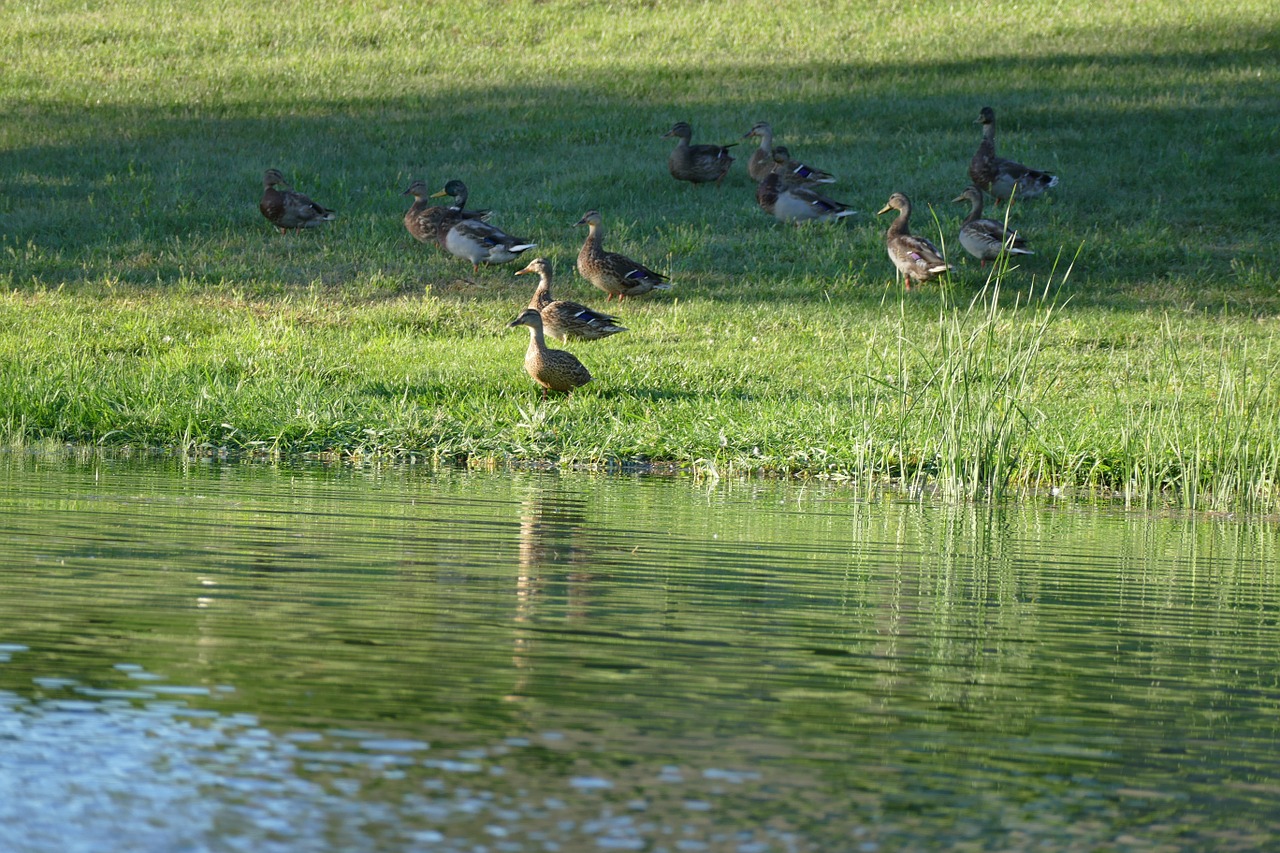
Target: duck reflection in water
553, 546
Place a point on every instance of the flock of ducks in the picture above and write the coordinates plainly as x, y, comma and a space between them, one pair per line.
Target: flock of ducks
786, 188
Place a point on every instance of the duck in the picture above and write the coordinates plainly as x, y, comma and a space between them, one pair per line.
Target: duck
915, 257
698, 164
288, 208
761, 162
562, 319
787, 202
553, 369
430, 223
798, 172
986, 238
482, 243
613, 273
1000, 177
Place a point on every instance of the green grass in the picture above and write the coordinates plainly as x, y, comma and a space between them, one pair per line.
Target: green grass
148, 304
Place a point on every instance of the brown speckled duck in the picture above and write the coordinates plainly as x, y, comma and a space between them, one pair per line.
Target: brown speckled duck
798, 173
986, 238
286, 208
1003, 178
430, 223
563, 319
613, 273
915, 257
553, 369
762, 162
796, 203
698, 164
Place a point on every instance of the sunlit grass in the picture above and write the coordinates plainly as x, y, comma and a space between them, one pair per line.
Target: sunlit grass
149, 304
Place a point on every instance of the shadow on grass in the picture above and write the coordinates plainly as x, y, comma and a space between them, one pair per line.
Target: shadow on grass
1154, 184
606, 391
444, 394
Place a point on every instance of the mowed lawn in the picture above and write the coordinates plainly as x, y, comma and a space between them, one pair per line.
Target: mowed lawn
147, 303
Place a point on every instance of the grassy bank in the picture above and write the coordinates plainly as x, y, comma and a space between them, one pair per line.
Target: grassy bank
147, 303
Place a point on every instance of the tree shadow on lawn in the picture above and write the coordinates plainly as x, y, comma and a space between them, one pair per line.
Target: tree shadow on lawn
1156, 184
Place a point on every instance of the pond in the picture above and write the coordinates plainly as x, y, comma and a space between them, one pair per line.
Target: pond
245, 657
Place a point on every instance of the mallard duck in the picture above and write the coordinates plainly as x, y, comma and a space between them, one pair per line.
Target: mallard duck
613, 273
698, 164
998, 176
799, 173
562, 319
481, 243
915, 257
287, 208
553, 369
796, 203
762, 162
986, 238
430, 223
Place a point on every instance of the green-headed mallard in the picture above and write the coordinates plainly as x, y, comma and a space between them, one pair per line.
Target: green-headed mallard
796, 203
698, 164
287, 208
613, 273
562, 319
430, 223
986, 238
553, 369
998, 176
762, 160
915, 257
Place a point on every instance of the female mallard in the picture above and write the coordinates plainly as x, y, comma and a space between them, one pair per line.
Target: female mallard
796, 203
698, 164
762, 162
562, 319
986, 238
609, 271
553, 369
998, 176
430, 223
915, 257
799, 173
286, 208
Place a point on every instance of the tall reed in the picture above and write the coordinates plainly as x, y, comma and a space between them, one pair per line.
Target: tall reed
1225, 457
968, 392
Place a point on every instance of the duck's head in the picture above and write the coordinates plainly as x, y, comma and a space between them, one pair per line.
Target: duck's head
898, 202
538, 266
455, 189
528, 317
591, 217
971, 194
680, 129
418, 190
760, 128
986, 116
271, 177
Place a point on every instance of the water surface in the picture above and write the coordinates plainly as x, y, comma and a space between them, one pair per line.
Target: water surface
218, 656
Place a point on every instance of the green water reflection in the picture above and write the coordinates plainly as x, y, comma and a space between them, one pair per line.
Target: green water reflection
908, 676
